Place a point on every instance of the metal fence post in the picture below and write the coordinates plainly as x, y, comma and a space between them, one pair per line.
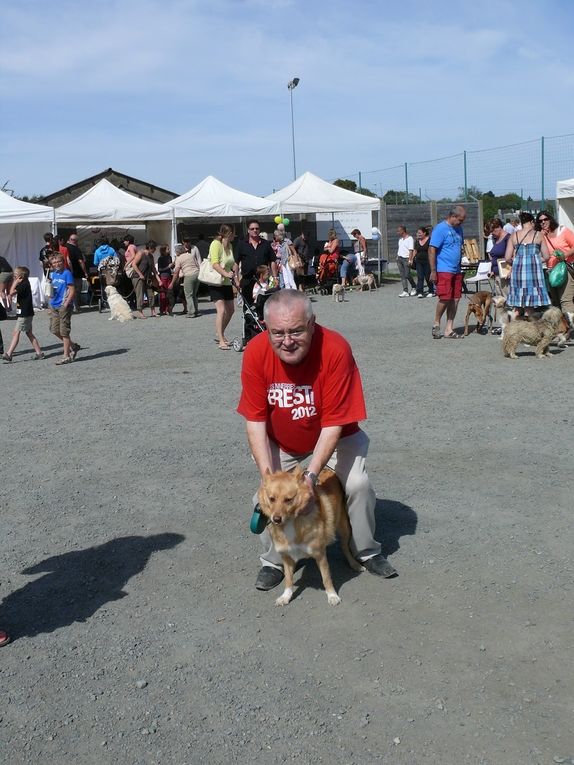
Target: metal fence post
406, 184
542, 200
465, 178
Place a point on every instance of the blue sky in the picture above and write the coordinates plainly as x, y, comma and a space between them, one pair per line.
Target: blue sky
172, 90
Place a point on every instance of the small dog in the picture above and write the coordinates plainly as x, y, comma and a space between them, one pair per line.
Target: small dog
119, 308
479, 305
502, 313
367, 281
538, 332
338, 293
303, 522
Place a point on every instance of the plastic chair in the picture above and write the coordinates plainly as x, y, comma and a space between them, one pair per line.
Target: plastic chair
482, 275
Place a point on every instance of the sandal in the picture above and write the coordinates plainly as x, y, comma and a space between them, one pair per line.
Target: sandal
454, 336
4, 638
64, 360
436, 333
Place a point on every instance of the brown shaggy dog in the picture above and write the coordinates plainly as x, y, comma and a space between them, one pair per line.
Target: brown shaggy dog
479, 305
539, 332
303, 522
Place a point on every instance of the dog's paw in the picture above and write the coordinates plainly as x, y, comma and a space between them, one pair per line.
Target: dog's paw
333, 598
285, 599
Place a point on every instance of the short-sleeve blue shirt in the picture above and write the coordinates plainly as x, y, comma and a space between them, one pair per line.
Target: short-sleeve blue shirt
447, 240
60, 283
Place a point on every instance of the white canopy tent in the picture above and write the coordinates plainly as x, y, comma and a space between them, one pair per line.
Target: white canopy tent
311, 194
565, 202
105, 203
212, 198
22, 225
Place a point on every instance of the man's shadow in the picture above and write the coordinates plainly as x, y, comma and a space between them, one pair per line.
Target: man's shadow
393, 521
78, 583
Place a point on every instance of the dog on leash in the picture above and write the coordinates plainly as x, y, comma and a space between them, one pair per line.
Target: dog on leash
502, 313
338, 293
479, 305
367, 281
538, 332
119, 308
303, 522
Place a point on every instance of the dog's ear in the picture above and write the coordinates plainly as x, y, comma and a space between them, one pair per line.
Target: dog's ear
297, 472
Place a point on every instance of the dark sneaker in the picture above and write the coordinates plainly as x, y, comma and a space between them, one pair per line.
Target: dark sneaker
379, 566
74, 350
7, 357
268, 578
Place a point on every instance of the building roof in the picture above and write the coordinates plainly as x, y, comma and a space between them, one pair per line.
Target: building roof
140, 189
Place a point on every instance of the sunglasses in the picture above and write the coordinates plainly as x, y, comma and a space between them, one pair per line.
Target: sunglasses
543, 220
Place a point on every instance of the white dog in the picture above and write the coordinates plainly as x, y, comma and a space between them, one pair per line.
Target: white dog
338, 293
367, 280
119, 308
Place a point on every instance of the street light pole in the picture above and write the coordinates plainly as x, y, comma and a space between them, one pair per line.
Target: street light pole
291, 85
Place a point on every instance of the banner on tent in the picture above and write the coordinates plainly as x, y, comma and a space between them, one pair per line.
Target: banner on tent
344, 223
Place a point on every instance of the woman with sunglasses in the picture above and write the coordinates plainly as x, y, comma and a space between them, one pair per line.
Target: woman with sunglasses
498, 251
525, 250
558, 238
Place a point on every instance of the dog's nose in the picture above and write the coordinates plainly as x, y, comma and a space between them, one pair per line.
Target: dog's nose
277, 519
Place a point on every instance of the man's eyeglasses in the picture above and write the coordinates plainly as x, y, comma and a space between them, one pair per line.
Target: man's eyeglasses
253, 229
279, 335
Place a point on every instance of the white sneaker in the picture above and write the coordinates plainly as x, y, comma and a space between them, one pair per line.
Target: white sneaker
420, 295
404, 294
412, 293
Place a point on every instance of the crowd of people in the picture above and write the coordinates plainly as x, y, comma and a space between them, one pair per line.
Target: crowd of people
523, 253
153, 280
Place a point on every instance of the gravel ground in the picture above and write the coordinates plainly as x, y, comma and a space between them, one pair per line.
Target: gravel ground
128, 566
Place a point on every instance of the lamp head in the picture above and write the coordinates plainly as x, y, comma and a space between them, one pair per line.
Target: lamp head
293, 83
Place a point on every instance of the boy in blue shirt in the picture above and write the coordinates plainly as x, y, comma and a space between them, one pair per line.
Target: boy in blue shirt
61, 304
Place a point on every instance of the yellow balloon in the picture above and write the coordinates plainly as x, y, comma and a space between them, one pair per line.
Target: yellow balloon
277, 219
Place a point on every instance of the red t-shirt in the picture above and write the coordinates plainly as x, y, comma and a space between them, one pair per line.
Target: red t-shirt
298, 400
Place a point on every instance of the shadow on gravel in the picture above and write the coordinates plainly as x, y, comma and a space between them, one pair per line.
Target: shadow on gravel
78, 583
103, 354
394, 520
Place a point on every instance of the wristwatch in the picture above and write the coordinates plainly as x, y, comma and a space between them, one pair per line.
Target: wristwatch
313, 476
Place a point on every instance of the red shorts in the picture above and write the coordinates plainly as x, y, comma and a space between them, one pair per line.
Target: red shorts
448, 286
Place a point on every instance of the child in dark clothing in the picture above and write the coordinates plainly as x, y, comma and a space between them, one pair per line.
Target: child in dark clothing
25, 313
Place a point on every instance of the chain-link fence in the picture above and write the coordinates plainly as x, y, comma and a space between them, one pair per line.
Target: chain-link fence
529, 169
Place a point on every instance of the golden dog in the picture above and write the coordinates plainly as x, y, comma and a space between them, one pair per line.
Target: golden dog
479, 305
538, 332
303, 522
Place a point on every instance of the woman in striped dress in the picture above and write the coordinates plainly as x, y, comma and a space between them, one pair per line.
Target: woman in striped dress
523, 251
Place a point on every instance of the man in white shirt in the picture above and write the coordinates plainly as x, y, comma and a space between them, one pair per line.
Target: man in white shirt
405, 255
508, 227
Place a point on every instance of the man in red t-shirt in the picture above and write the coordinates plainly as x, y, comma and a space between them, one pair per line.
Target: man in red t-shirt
302, 398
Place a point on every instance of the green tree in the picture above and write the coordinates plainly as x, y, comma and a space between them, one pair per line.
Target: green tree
345, 183
393, 197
